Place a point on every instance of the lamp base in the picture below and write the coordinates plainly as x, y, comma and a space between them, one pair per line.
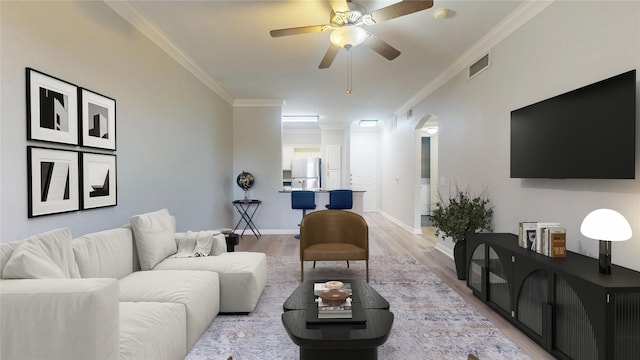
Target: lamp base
604, 261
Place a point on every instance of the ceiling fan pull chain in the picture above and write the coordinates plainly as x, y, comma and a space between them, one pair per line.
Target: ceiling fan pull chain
349, 74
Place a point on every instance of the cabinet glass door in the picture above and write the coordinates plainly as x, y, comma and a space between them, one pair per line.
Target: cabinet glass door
475, 268
533, 296
498, 285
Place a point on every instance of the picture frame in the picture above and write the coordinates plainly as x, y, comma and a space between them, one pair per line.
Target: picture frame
99, 180
53, 181
52, 109
97, 120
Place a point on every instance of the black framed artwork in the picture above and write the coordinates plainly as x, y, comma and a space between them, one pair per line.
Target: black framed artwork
97, 120
53, 181
52, 109
99, 179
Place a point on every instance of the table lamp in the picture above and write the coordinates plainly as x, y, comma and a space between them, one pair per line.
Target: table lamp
605, 225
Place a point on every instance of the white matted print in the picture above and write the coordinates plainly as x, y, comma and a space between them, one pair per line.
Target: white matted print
98, 120
98, 180
52, 109
53, 181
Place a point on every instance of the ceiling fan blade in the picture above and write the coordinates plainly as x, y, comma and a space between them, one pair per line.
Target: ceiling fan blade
298, 30
402, 8
381, 47
331, 53
339, 5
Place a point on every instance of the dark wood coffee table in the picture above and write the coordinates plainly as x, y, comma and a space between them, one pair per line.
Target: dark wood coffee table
338, 341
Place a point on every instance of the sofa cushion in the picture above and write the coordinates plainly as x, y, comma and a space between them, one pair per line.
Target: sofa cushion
59, 319
198, 291
154, 237
152, 330
243, 276
106, 253
43, 256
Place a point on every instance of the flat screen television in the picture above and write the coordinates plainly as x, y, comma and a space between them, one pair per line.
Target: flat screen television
587, 133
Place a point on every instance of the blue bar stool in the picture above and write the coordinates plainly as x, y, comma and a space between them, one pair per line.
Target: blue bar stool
340, 199
303, 200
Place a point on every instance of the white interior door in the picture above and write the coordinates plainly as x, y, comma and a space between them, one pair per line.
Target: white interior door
334, 168
364, 168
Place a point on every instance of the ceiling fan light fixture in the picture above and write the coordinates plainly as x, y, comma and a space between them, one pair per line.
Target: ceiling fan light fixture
367, 19
348, 36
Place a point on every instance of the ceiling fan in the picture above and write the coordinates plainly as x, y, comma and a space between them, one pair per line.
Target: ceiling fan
347, 19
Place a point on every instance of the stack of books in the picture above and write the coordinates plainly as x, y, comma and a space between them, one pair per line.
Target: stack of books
342, 311
327, 311
546, 238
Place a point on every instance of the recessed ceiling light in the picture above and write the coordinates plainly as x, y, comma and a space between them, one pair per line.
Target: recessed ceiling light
441, 13
368, 123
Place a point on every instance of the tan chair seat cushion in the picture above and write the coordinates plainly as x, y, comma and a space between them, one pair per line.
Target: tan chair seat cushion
334, 251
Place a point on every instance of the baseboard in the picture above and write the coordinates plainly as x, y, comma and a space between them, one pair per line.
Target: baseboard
417, 231
443, 249
272, 231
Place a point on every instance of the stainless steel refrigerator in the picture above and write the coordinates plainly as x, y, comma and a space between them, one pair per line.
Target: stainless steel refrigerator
305, 173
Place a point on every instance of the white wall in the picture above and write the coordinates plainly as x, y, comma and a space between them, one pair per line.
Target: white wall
568, 45
400, 175
257, 148
174, 135
301, 137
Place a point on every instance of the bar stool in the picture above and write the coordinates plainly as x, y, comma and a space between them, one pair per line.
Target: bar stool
303, 200
340, 200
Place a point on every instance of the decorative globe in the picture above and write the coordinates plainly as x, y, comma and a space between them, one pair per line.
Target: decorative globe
245, 180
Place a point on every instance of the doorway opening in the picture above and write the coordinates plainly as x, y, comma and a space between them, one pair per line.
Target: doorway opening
426, 130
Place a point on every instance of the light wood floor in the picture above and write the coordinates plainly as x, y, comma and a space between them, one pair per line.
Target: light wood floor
387, 238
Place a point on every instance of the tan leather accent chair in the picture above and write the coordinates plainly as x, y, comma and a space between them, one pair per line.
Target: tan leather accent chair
333, 235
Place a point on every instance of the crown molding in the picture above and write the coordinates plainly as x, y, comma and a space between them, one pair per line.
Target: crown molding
149, 29
257, 102
520, 16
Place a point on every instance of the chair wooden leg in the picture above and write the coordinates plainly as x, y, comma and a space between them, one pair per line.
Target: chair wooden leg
301, 271
314, 264
367, 266
347, 263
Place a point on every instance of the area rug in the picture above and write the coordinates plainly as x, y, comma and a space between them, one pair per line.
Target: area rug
431, 320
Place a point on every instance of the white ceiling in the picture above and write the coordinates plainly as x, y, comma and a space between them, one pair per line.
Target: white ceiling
227, 45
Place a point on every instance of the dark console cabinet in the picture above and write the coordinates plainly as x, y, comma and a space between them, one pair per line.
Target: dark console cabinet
565, 305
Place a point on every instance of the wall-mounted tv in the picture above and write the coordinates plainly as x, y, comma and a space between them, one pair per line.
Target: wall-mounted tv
587, 133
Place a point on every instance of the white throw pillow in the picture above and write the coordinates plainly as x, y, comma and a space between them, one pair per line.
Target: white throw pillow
154, 236
43, 256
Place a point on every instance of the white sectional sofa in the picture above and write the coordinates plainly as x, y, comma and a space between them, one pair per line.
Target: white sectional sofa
122, 293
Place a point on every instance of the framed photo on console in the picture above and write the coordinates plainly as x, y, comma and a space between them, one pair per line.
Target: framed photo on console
97, 120
52, 109
98, 181
53, 181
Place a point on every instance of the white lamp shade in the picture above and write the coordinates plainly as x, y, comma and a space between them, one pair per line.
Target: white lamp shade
348, 35
606, 224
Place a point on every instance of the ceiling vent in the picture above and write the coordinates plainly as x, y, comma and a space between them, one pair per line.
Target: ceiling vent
478, 66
